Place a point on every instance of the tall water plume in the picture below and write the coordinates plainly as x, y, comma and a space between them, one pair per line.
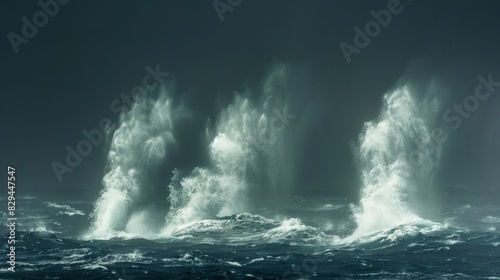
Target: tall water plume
245, 142
395, 162
141, 141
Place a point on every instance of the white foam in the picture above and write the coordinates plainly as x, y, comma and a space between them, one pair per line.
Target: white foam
293, 231
41, 228
234, 263
256, 260
66, 209
250, 229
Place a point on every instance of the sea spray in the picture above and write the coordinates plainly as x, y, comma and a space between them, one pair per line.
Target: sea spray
247, 152
220, 189
247, 148
142, 140
389, 174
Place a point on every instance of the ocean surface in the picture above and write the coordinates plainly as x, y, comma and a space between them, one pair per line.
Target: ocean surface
247, 246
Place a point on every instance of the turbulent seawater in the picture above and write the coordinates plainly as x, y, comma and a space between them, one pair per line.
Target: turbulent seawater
238, 216
246, 246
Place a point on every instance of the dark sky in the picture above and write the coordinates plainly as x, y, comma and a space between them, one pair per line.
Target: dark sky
65, 78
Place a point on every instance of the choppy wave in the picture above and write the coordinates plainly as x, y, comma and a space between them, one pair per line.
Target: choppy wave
65, 209
280, 249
